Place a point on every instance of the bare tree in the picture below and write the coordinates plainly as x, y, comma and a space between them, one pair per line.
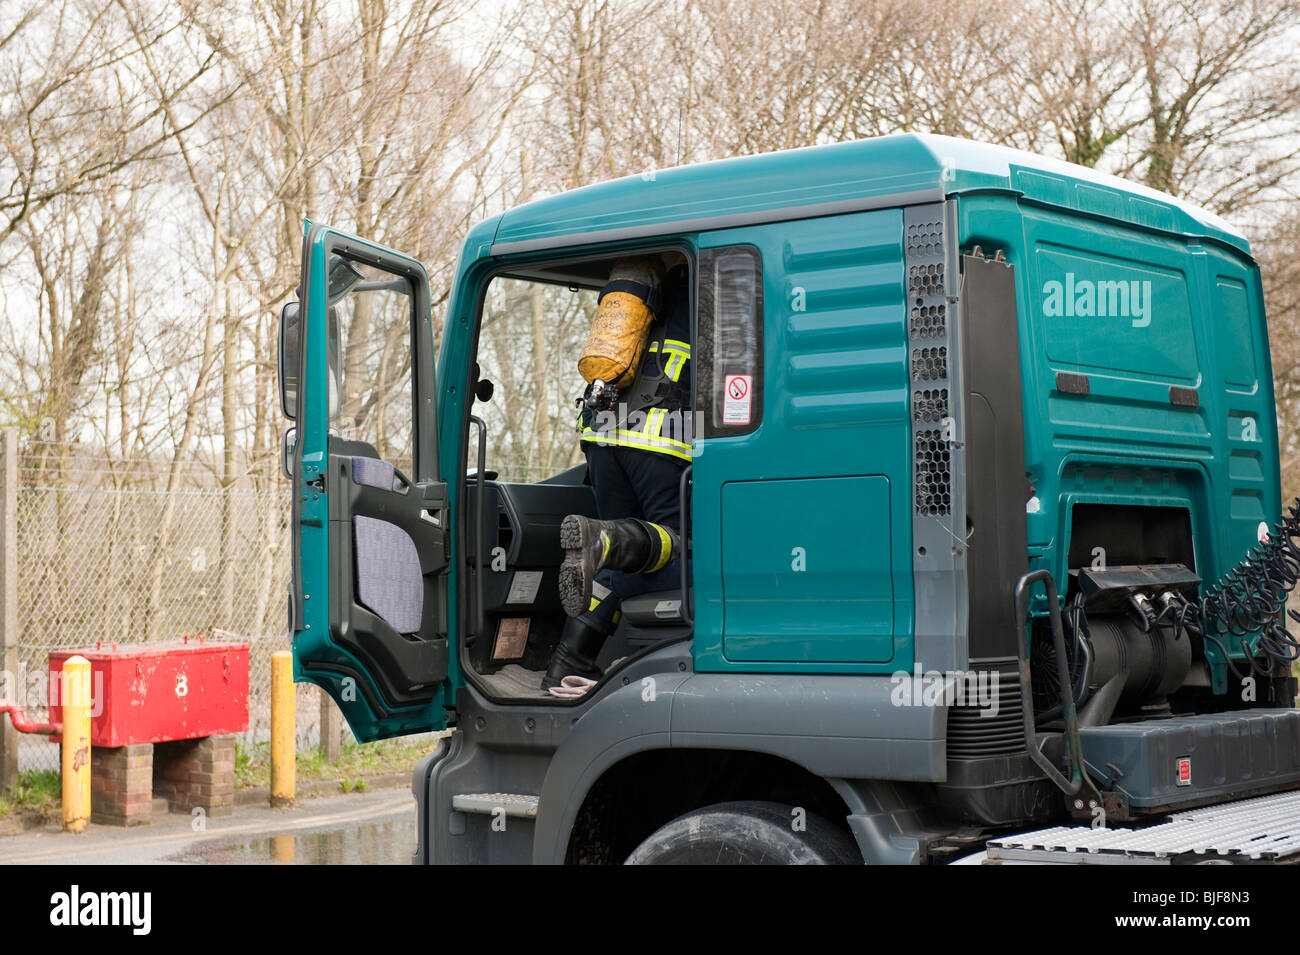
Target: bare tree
157, 163
71, 114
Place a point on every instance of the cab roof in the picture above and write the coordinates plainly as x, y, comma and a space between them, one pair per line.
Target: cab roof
902, 169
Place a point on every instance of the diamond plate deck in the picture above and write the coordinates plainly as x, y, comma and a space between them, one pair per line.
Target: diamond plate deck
1261, 830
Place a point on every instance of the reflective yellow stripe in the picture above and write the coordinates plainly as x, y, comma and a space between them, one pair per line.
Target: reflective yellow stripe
594, 604
679, 353
654, 428
635, 439
623, 436
665, 549
672, 345
654, 422
651, 430
647, 434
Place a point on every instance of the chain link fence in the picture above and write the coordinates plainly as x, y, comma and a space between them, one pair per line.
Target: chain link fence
107, 554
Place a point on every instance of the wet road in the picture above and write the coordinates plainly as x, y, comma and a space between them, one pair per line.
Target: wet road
356, 828
388, 842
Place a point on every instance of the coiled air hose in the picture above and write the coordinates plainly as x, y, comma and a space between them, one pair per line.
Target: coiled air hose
1247, 599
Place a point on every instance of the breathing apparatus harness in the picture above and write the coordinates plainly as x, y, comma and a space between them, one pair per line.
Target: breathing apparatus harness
652, 385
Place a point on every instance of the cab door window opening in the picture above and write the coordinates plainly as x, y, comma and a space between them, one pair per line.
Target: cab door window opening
370, 348
534, 323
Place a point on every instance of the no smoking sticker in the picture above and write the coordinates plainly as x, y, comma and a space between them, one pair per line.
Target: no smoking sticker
738, 391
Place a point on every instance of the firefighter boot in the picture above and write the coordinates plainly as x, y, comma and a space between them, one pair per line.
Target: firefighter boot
581, 640
630, 545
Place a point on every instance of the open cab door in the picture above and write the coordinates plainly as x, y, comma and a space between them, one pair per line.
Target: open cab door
370, 517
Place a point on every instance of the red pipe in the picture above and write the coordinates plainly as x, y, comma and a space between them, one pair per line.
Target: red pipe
23, 725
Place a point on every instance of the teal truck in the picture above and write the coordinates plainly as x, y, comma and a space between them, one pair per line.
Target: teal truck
985, 551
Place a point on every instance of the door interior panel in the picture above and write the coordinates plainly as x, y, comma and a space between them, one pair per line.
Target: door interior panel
391, 545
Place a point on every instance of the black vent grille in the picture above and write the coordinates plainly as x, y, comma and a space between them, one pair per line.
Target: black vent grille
972, 735
929, 364
925, 279
925, 238
928, 321
933, 473
927, 331
930, 404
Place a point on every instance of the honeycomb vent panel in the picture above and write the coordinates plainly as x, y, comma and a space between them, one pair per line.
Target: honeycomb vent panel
933, 473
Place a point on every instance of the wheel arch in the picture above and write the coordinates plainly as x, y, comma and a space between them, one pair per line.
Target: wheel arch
658, 719
645, 789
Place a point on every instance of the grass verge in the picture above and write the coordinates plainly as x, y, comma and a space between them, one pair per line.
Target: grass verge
37, 791
357, 760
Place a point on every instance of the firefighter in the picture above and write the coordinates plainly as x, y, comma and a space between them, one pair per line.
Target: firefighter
635, 427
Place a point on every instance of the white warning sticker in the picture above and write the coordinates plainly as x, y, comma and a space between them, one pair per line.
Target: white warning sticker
524, 586
738, 393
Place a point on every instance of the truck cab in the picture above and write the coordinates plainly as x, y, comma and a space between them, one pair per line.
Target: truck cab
975, 439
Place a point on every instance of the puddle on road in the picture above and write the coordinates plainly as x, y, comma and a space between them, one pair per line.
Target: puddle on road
382, 843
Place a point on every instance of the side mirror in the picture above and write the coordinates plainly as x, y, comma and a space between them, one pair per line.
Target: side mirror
290, 343
288, 445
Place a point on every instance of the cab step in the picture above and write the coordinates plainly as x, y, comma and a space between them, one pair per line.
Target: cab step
1256, 831
518, 805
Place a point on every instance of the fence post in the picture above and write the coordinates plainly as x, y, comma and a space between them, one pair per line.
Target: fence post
9, 599
331, 729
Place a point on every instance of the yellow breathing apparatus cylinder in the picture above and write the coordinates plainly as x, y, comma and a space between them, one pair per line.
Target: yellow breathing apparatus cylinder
622, 325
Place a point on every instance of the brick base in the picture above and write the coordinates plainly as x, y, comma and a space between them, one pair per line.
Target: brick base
194, 773
121, 785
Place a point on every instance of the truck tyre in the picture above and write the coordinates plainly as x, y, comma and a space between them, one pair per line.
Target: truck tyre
747, 833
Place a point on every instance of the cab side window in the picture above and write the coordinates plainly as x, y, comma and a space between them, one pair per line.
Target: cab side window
729, 388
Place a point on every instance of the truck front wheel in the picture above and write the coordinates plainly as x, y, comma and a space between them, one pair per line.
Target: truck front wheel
748, 833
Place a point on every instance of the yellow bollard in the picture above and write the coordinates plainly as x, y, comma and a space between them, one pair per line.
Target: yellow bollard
282, 848
75, 691
283, 725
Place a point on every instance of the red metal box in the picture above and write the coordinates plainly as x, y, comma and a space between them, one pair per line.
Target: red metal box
152, 692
